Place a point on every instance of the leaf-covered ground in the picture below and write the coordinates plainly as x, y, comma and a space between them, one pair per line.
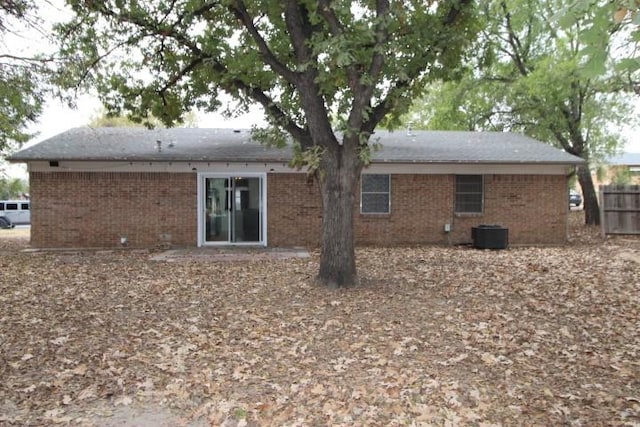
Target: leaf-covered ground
440, 336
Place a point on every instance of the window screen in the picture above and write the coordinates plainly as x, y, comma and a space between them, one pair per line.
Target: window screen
469, 192
375, 193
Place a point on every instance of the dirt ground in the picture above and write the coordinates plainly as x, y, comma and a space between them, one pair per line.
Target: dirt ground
434, 336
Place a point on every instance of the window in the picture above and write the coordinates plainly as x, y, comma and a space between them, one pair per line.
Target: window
469, 192
375, 194
11, 206
1, 206
24, 206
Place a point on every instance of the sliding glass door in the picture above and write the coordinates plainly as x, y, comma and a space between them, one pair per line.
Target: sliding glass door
232, 209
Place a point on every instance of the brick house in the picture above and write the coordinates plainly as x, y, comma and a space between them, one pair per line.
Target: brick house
620, 169
205, 187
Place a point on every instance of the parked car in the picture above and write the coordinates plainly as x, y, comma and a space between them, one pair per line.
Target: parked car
14, 212
575, 199
5, 222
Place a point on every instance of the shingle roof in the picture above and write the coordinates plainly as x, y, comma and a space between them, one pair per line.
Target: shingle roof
193, 144
627, 159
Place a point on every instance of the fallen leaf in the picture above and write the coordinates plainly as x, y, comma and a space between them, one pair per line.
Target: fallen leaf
123, 401
318, 389
60, 340
91, 392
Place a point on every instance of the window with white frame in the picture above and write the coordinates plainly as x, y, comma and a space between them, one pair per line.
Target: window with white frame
375, 194
469, 193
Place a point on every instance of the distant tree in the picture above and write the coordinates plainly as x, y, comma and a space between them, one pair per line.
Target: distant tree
325, 72
13, 188
622, 176
528, 77
601, 172
104, 119
455, 105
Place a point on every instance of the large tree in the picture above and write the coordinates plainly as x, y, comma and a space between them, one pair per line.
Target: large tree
607, 28
21, 88
533, 78
325, 72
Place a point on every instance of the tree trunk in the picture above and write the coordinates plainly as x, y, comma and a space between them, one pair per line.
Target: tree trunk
338, 182
591, 207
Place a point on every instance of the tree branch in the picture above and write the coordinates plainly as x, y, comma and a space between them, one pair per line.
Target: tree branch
363, 93
300, 32
181, 74
299, 134
337, 29
324, 8
26, 59
514, 42
93, 64
386, 105
239, 9
202, 58
382, 37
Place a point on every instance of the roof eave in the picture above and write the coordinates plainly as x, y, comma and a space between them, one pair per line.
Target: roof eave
141, 159
12, 159
480, 162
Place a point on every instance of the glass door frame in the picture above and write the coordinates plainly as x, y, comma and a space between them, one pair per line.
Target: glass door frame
202, 214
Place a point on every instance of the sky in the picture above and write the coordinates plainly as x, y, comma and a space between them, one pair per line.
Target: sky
57, 117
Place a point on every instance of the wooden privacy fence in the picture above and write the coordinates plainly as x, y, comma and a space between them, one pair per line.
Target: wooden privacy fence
620, 209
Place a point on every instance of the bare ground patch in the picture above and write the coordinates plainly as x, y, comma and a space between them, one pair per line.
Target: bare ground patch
435, 336
14, 239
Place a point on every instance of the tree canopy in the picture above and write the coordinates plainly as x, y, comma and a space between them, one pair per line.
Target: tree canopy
13, 188
606, 29
529, 76
361, 59
325, 72
21, 89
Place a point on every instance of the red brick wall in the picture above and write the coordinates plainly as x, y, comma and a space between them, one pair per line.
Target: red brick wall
81, 209
294, 207
533, 207
420, 205
94, 209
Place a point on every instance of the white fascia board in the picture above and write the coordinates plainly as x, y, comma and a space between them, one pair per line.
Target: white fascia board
175, 167
468, 169
283, 167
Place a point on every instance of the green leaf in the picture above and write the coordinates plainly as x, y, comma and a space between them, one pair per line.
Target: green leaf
596, 63
629, 65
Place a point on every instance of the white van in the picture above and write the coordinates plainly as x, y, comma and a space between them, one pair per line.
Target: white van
13, 212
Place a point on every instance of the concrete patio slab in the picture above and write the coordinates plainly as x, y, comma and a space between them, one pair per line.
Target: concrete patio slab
230, 254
